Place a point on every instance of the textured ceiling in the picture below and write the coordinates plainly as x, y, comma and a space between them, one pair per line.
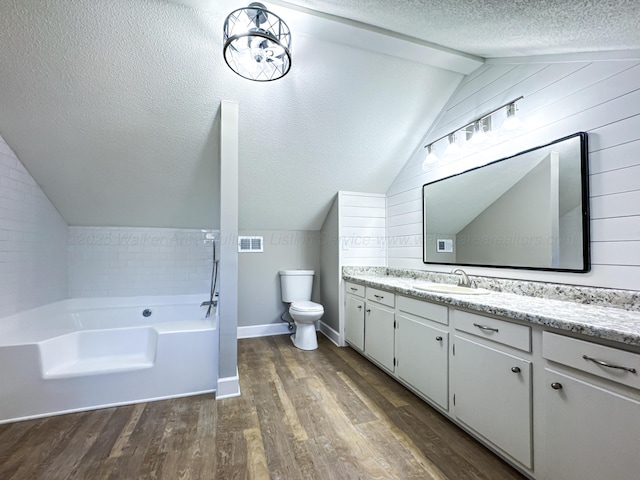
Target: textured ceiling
497, 28
113, 105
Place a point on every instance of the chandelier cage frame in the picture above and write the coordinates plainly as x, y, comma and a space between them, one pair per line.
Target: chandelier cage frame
257, 43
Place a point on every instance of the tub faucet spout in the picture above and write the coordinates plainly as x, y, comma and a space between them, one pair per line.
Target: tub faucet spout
209, 304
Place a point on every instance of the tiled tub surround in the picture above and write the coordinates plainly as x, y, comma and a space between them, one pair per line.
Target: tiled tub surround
598, 312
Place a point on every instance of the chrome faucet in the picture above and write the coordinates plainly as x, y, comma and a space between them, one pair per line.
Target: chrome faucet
209, 304
464, 281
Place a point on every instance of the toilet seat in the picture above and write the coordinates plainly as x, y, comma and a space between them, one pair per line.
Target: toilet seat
306, 307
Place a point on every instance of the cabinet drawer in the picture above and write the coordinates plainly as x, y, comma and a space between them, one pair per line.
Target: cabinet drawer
571, 352
430, 311
501, 331
354, 289
380, 296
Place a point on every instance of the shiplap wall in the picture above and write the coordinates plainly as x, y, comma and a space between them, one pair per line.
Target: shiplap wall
362, 229
353, 234
561, 96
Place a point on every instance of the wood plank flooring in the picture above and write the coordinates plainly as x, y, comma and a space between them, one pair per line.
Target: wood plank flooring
325, 414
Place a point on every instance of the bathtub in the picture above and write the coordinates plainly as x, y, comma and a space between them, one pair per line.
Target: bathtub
82, 354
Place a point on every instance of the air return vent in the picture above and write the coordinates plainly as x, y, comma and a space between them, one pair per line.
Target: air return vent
250, 244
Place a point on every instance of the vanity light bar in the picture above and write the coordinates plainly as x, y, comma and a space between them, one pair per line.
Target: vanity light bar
480, 121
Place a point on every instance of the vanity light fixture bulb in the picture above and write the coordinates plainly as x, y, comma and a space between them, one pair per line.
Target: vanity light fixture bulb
431, 159
453, 148
512, 122
479, 135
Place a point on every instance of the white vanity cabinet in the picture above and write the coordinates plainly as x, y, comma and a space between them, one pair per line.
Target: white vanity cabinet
422, 348
553, 405
590, 425
379, 327
492, 391
354, 315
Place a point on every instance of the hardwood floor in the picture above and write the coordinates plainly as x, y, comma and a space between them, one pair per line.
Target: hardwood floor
325, 414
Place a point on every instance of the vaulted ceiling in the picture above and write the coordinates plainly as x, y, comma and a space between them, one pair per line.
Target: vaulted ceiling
113, 105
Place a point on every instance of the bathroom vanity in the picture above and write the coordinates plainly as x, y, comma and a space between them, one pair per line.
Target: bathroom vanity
551, 386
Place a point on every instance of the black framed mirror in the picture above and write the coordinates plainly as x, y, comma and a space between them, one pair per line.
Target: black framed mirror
527, 211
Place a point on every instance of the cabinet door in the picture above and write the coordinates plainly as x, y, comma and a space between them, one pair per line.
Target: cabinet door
493, 396
590, 433
422, 358
379, 335
354, 322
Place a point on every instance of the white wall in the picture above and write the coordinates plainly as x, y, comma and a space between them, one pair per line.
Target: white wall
561, 97
127, 261
362, 229
260, 300
33, 267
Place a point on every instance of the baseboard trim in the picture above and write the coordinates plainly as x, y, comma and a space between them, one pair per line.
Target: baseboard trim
267, 330
329, 332
228, 387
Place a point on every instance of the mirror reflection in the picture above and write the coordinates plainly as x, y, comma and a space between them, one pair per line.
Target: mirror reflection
526, 211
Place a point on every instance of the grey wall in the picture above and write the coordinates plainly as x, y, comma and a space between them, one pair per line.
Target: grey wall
524, 238
330, 268
228, 308
570, 223
442, 257
259, 298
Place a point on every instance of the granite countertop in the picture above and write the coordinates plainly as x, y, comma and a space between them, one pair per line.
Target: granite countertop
604, 322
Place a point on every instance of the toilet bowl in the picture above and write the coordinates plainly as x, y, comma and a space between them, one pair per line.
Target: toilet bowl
296, 286
305, 314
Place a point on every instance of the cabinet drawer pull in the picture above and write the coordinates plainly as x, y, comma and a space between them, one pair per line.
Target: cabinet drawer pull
379, 297
556, 386
484, 327
515, 369
354, 289
438, 338
608, 365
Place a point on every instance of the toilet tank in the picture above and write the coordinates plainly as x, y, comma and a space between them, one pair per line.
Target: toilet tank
296, 285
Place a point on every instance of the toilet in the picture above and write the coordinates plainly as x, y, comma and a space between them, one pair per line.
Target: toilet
296, 288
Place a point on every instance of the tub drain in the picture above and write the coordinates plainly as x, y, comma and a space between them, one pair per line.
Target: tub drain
146, 312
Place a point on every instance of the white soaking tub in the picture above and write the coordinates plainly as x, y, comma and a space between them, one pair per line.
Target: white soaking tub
83, 354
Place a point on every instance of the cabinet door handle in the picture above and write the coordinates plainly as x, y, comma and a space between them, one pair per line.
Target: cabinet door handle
354, 289
379, 297
556, 386
368, 310
608, 365
359, 307
438, 338
515, 369
484, 327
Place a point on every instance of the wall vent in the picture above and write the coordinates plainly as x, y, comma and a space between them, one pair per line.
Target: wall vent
250, 244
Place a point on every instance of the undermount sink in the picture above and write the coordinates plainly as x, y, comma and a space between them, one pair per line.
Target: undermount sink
448, 288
